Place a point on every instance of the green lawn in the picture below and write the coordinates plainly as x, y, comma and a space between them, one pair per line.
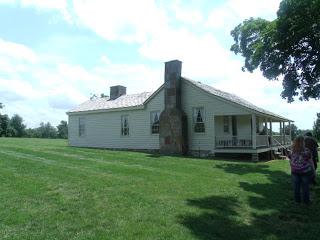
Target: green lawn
51, 191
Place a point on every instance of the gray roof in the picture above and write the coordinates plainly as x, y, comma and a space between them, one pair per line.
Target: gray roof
135, 100
124, 101
232, 98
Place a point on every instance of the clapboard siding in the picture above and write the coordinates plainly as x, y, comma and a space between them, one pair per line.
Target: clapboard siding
104, 129
193, 97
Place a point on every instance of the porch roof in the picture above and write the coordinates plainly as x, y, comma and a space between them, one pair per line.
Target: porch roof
236, 100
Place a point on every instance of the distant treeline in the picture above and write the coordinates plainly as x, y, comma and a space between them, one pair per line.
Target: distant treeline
14, 127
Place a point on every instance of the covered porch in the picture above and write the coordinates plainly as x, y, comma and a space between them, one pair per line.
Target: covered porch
251, 133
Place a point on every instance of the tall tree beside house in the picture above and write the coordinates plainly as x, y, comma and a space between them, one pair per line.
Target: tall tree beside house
286, 47
316, 127
294, 131
63, 129
16, 123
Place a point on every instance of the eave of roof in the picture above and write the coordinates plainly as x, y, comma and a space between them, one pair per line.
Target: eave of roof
234, 99
107, 110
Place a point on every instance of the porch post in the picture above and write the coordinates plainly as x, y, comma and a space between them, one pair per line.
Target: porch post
271, 138
284, 132
266, 131
214, 135
253, 131
290, 131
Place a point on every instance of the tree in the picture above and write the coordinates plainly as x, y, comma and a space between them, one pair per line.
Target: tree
294, 131
1, 129
31, 132
4, 125
316, 127
63, 129
102, 95
287, 47
11, 132
46, 130
16, 122
95, 96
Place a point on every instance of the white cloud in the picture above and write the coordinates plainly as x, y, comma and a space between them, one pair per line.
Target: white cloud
136, 77
233, 12
17, 51
185, 13
62, 101
61, 6
129, 21
202, 55
105, 59
7, 1
46, 4
18, 89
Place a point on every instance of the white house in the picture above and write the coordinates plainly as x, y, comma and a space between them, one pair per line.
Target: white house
181, 116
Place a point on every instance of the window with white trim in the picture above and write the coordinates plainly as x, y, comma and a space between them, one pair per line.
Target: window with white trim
155, 122
226, 124
198, 120
82, 126
124, 125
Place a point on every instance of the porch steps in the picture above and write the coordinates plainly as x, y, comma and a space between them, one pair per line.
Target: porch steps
279, 155
282, 157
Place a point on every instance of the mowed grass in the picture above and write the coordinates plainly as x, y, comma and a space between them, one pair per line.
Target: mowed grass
51, 191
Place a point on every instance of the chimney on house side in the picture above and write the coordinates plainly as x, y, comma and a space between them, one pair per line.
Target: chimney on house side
172, 79
173, 129
117, 91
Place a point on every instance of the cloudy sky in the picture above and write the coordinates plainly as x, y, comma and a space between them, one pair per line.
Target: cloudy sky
55, 53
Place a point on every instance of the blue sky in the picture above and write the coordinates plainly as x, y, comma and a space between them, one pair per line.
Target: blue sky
54, 54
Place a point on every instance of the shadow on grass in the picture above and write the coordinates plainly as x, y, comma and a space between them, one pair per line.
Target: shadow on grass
261, 210
209, 158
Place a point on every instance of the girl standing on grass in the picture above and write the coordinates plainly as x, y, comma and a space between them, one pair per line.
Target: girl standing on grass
302, 169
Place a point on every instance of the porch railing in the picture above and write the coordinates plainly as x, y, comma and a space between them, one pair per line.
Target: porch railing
234, 141
263, 140
245, 141
281, 140
276, 140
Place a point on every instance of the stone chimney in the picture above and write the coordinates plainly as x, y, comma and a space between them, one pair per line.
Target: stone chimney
173, 121
117, 91
172, 80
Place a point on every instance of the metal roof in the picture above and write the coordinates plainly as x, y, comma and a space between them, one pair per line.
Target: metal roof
233, 98
124, 101
135, 100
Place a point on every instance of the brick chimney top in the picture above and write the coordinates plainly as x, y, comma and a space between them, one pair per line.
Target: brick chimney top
117, 91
